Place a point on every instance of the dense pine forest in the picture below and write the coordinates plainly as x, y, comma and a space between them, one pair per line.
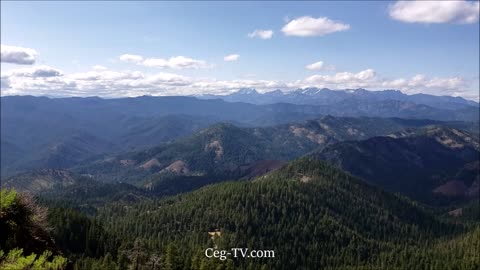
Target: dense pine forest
312, 215
240, 135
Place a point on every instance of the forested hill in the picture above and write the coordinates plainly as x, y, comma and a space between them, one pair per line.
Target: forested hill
40, 132
313, 216
431, 164
223, 150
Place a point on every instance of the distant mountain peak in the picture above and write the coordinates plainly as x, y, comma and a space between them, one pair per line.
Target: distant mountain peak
246, 91
358, 91
277, 92
310, 91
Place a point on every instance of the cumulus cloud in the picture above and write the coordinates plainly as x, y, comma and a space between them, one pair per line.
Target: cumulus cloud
459, 11
341, 80
453, 86
262, 34
168, 79
36, 71
231, 57
308, 27
108, 83
31, 85
227, 86
320, 65
315, 66
131, 58
18, 55
176, 62
424, 84
105, 75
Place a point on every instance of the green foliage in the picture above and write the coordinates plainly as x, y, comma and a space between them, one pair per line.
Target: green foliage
22, 223
24, 241
16, 260
7, 198
313, 215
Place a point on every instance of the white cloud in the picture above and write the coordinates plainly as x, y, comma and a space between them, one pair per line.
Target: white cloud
108, 83
105, 75
435, 11
177, 62
367, 74
262, 34
368, 79
315, 66
422, 84
226, 86
341, 80
99, 68
18, 55
168, 79
35, 71
131, 58
308, 27
231, 57
320, 65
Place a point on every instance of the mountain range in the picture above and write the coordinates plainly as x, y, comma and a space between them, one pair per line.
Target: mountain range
40, 132
325, 96
396, 154
151, 182
361, 102
224, 151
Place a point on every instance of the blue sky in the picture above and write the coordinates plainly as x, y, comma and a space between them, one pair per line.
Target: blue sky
392, 43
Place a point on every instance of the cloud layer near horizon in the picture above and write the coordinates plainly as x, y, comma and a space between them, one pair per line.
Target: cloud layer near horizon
100, 81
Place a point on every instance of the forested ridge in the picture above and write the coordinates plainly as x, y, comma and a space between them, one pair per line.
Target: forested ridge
313, 215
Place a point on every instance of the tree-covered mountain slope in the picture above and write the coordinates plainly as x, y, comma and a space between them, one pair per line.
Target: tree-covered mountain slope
313, 216
78, 191
40, 132
222, 150
427, 163
37, 139
42, 181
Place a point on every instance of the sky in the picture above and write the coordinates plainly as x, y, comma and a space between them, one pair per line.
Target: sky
116, 49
